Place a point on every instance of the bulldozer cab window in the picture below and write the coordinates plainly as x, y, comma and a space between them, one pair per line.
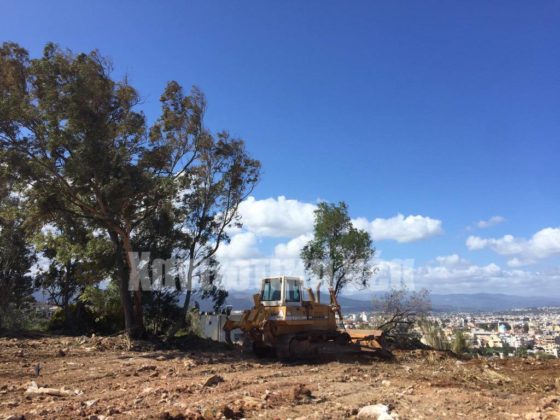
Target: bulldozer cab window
293, 291
272, 290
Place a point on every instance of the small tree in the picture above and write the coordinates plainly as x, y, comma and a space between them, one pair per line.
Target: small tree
161, 309
459, 344
210, 193
339, 253
521, 352
16, 285
105, 306
17, 256
433, 335
77, 258
398, 312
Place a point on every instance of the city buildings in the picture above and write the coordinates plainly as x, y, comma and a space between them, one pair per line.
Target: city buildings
513, 333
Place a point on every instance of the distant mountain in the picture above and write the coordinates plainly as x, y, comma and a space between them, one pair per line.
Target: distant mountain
245, 301
490, 302
477, 302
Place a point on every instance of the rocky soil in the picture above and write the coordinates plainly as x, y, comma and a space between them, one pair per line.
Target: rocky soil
107, 378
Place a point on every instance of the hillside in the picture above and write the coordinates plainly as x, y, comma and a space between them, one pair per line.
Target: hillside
99, 378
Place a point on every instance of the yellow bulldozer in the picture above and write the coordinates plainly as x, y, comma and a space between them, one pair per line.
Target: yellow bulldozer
283, 323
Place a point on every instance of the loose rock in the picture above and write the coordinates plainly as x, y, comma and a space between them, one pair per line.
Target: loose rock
376, 412
213, 380
34, 390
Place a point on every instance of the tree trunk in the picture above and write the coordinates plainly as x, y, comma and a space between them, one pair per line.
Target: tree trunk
182, 321
79, 318
130, 323
137, 294
186, 305
187, 301
66, 298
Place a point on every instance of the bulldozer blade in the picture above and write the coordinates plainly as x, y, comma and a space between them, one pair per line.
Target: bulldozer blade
372, 339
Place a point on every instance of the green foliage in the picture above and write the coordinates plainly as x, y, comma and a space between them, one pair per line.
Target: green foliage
82, 319
16, 285
541, 355
77, 259
521, 352
16, 259
105, 306
459, 344
192, 325
507, 349
338, 253
210, 284
433, 335
161, 310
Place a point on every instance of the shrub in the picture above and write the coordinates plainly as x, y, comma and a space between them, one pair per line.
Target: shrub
433, 335
105, 306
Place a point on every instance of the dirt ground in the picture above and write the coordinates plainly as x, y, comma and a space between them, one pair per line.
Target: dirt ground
100, 378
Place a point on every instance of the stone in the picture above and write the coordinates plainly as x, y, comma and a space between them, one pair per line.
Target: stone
301, 393
213, 380
145, 368
34, 390
550, 401
376, 412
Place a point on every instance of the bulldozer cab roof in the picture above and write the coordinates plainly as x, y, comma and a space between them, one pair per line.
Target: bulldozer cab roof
281, 291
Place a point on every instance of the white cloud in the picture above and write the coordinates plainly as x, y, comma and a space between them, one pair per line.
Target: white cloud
543, 244
463, 272
242, 265
494, 220
546, 242
475, 243
516, 262
446, 274
282, 217
451, 260
246, 273
292, 248
242, 245
466, 277
278, 217
400, 228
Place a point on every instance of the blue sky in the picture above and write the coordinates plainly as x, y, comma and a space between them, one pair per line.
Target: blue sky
448, 111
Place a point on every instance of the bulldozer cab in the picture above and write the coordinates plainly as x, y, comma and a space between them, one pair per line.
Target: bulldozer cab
281, 291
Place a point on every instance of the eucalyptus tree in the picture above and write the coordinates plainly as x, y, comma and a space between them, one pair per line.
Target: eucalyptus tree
208, 204
217, 177
79, 139
338, 254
